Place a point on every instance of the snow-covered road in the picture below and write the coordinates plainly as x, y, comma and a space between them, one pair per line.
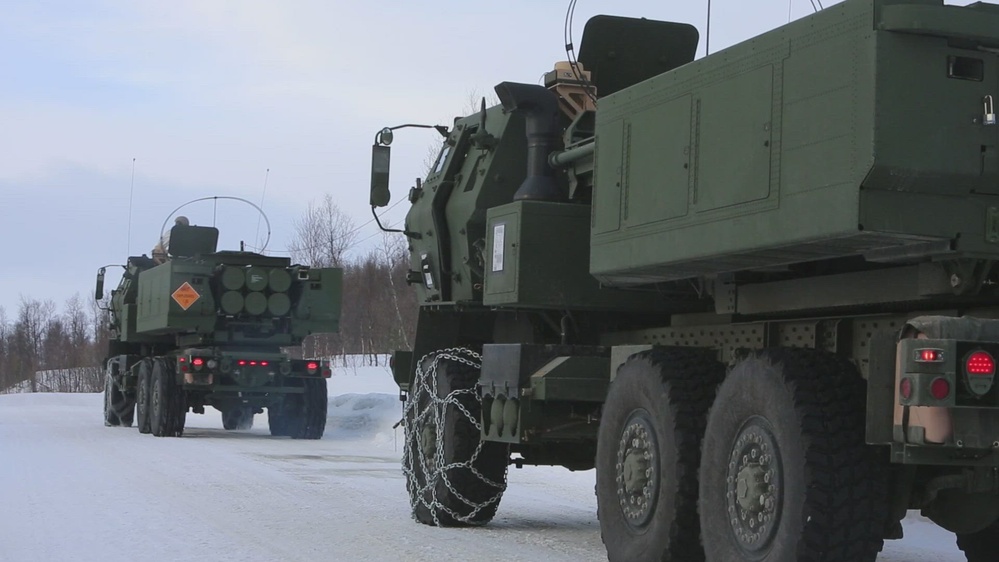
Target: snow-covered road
71, 489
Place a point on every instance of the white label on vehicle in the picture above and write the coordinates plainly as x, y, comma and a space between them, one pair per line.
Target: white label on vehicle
499, 236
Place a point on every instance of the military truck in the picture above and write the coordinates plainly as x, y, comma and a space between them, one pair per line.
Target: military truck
212, 328
756, 291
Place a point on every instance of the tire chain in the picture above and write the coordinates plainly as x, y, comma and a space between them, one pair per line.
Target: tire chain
437, 410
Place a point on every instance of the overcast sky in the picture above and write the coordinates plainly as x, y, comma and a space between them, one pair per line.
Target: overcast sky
206, 96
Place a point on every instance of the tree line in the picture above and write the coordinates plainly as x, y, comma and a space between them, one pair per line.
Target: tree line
45, 348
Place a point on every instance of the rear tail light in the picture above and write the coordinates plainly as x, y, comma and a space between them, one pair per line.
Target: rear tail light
929, 356
198, 363
980, 363
980, 372
905, 388
312, 367
940, 388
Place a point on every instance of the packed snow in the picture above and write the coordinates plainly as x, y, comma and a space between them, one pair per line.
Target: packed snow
74, 490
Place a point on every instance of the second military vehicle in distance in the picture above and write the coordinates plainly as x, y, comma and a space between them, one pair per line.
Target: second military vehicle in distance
209, 328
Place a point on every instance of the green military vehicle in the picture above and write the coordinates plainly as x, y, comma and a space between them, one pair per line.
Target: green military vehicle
208, 328
756, 291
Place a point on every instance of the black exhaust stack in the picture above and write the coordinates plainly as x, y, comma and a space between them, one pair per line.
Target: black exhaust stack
541, 116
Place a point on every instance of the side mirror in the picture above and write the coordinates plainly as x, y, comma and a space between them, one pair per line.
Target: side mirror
380, 158
99, 291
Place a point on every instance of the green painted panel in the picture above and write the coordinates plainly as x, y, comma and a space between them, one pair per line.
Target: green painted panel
820, 117
608, 170
542, 261
658, 163
734, 140
502, 253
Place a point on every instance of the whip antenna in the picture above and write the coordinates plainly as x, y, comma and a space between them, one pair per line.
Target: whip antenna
131, 190
256, 237
707, 35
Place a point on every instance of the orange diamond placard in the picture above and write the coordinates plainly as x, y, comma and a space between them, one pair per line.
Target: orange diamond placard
185, 295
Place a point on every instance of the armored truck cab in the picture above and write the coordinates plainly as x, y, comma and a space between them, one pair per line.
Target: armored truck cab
756, 291
211, 328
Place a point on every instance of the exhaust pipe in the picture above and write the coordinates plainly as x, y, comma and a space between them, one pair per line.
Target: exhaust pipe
541, 116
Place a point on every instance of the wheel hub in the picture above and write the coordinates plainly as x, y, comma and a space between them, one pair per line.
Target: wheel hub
753, 481
637, 469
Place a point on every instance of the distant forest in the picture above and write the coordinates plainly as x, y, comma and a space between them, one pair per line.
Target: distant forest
378, 313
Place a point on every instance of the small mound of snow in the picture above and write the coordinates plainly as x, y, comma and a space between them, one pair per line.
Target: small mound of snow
362, 416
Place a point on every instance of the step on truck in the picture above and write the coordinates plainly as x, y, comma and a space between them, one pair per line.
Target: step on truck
198, 327
757, 291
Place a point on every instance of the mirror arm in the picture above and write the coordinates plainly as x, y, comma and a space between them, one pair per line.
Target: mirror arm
408, 233
443, 130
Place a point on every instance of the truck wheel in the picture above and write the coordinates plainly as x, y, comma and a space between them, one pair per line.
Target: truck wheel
785, 474
309, 421
119, 407
981, 546
110, 418
167, 409
277, 422
453, 477
648, 453
142, 396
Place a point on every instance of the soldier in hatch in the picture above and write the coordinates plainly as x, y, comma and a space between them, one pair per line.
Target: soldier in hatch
162, 248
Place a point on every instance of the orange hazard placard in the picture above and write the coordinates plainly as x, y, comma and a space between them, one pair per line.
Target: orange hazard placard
185, 295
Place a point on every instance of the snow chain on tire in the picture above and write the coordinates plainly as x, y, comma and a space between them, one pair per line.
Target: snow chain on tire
434, 468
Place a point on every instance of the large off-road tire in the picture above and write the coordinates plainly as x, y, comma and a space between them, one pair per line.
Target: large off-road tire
785, 474
306, 415
453, 477
648, 454
239, 417
119, 405
982, 546
143, 390
167, 410
277, 421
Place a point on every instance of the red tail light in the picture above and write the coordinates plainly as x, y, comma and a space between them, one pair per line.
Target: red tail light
929, 355
241, 362
980, 363
197, 361
905, 388
940, 388
312, 367
264, 363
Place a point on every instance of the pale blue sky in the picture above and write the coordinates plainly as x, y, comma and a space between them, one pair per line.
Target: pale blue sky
206, 95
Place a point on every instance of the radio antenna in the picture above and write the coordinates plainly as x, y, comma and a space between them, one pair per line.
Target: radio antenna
256, 237
131, 191
707, 38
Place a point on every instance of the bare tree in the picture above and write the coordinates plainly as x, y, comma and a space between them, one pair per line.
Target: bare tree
6, 370
395, 256
324, 235
29, 333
